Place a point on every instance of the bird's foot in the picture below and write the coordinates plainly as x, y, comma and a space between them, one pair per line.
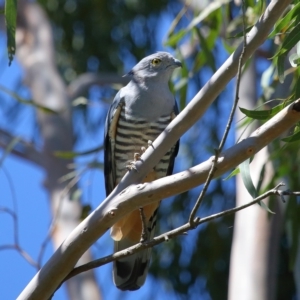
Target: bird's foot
131, 164
143, 150
150, 144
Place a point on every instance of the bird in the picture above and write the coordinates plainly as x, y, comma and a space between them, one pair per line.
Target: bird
139, 112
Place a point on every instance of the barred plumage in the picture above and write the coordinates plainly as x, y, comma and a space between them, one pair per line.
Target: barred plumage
139, 113
132, 134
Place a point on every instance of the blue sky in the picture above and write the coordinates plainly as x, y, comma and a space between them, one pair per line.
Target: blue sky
22, 182
21, 186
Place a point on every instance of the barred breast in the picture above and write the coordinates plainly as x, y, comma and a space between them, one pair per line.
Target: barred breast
132, 134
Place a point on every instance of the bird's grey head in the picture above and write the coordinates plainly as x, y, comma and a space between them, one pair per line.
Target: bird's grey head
160, 65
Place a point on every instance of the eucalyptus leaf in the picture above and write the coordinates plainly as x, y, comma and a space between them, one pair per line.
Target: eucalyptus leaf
11, 24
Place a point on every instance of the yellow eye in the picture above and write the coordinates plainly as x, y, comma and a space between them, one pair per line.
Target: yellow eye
156, 61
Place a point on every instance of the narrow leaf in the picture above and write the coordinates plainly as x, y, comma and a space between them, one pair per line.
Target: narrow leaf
291, 39
27, 102
232, 174
240, 34
263, 114
295, 137
9, 148
72, 154
264, 206
257, 114
297, 87
206, 50
211, 7
247, 180
175, 38
280, 67
282, 24
246, 177
11, 22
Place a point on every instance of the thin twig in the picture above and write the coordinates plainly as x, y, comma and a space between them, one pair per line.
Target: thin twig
144, 235
213, 169
13, 213
23, 148
171, 234
22, 252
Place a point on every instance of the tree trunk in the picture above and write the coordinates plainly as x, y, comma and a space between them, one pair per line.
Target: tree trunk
255, 245
35, 51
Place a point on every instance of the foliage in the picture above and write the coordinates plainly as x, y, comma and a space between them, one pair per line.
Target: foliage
108, 35
10, 13
100, 35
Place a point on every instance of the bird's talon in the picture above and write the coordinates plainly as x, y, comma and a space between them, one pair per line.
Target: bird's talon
131, 166
136, 157
150, 143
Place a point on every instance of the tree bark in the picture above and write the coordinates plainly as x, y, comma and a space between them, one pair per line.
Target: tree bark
254, 253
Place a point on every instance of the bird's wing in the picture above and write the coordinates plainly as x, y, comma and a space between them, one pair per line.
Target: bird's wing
130, 272
109, 143
175, 149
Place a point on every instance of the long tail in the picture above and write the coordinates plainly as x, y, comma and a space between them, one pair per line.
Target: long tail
130, 273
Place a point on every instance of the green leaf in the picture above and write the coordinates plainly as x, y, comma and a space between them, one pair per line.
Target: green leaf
294, 60
290, 40
297, 88
27, 102
263, 114
264, 206
261, 177
181, 83
240, 34
280, 67
9, 148
292, 229
284, 22
246, 177
11, 23
76, 195
72, 154
80, 101
247, 180
211, 7
232, 174
295, 137
206, 55
175, 38
228, 47
85, 211
95, 165
257, 114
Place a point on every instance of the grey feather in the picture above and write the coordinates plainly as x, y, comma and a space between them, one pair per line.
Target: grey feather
148, 97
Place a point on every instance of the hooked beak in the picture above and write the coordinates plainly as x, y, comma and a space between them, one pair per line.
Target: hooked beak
177, 63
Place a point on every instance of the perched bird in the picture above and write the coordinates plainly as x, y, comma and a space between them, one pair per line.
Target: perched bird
139, 113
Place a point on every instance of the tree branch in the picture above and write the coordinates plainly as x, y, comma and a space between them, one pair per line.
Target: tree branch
82, 83
174, 233
227, 128
123, 200
16, 246
23, 149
